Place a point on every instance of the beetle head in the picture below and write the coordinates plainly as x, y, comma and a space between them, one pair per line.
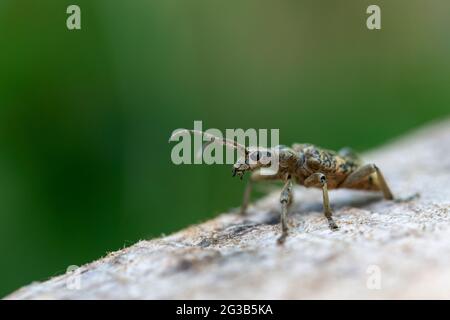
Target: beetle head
254, 158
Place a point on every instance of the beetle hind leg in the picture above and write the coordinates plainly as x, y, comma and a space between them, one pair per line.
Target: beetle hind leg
349, 153
368, 177
408, 198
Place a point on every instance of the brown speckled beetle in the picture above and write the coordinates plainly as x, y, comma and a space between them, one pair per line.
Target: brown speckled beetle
306, 165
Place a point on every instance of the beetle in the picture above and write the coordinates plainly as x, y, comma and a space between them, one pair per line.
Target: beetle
304, 164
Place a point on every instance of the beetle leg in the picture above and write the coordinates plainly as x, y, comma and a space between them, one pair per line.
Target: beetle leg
256, 176
316, 180
246, 198
362, 173
285, 200
349, 153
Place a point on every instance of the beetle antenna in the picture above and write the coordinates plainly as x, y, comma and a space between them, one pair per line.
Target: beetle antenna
212, 138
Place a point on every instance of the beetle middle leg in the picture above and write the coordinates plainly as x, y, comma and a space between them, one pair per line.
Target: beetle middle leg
316, 180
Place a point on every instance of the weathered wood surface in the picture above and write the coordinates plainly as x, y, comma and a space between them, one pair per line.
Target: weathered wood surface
406, 244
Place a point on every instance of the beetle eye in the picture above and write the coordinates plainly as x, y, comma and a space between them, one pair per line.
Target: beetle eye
255, 156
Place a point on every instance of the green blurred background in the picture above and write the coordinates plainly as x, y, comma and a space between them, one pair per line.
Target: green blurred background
85, 115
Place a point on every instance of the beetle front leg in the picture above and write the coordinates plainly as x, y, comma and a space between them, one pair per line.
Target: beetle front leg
285, 200
246, 198
255, 177
319, 179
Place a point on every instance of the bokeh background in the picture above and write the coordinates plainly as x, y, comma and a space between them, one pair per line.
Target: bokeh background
85, 115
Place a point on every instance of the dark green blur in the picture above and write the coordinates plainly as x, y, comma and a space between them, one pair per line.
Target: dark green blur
85, 116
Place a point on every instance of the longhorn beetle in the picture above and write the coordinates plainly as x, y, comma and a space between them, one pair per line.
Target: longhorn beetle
304, 164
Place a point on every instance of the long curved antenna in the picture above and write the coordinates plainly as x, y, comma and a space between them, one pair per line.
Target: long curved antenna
212, 138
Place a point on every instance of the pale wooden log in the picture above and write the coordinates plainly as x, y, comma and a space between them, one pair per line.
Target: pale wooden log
231, 257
